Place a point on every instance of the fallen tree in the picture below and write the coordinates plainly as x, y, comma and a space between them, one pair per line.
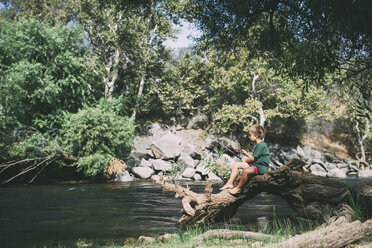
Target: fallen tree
311, 196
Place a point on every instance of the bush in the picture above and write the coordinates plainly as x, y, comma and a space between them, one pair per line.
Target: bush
95, 135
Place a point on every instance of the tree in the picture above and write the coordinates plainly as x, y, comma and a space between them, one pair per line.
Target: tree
238, 91
44, 72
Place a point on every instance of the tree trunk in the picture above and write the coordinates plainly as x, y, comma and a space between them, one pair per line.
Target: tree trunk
338, 234
311, 196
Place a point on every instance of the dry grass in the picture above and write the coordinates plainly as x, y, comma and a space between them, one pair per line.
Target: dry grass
116, 167
325, 144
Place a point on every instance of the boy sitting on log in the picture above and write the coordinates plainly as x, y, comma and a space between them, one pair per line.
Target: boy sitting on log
258, 163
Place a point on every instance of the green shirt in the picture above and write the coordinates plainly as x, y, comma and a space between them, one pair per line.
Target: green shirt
261, 156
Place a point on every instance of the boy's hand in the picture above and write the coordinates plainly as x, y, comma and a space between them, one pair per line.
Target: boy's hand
246, 153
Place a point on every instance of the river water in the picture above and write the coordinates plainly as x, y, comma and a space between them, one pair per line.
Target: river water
45, 215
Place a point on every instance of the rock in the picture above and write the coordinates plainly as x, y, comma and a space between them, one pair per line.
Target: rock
167, 237
300, 152
211, 142
155, 177
307, 151
330, 166
191, 150
143, 172
214, 177
315, 154
157, 130
353, 167
276, 161
272, 165
329, 157
186, 160
168, 147
160, 165
125, 177
141, 148
338, 173
290, 155
144, 239
145, 163
317, 167
198, 121
202, 169
365, 174
319, 162
341, 165
197, 177
319, 173
227, 160
188, 173
228, 144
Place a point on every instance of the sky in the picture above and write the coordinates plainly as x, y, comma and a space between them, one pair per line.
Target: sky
188, 31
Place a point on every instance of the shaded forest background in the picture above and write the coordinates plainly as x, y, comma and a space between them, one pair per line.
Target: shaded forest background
79, 79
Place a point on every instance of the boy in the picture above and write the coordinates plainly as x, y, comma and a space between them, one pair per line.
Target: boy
256, 164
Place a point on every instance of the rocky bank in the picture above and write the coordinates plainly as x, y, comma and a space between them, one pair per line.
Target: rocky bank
189, 154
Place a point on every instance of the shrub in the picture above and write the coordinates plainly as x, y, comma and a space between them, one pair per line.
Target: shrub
95, 135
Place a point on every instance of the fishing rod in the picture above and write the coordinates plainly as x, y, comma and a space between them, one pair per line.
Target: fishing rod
236, 152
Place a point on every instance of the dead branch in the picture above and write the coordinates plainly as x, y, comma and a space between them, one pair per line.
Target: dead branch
231, 234
311, 196
337, 234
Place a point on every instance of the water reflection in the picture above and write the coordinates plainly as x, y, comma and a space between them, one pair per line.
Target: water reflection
37, 214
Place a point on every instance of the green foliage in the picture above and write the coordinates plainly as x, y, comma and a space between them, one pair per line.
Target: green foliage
95, 134
220, 168
33, 144
44, 71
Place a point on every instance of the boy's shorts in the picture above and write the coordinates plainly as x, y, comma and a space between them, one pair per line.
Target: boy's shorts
254, 167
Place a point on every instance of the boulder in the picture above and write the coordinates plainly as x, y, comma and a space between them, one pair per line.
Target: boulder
161, 165
211, 142
155, 177
143, 172
330, 166
307, 151
125, 177
188, 173
197, 177
300, 152
214, 177
198, 121
319, 173
341, 165
319, 162
365, 174
338, 173
202, 169
289, 155
145, 163
141, 148
228, 144
186, 160
329, 157
227, 160
167, 147
276, 161
315, 154
317, 168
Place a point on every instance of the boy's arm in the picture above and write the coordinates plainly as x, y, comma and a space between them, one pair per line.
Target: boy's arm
249, 158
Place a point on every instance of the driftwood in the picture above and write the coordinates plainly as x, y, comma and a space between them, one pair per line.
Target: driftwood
338, 234
310, 196
231, 234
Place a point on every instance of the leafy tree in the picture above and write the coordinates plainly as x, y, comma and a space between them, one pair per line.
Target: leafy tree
95, 135
44, 72
237, 91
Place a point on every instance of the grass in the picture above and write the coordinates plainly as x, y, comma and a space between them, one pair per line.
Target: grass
280, 228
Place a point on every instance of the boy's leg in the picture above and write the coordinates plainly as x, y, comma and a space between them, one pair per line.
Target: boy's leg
234, 174
243, 180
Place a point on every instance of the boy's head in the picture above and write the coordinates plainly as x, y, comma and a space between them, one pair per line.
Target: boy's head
258, 131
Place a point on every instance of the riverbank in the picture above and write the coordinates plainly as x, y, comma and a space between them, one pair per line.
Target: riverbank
280, 234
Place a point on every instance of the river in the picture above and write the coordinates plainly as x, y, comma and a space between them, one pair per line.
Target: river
45, 215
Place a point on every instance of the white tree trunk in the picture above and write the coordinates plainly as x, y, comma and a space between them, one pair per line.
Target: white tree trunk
262, 117
140, 92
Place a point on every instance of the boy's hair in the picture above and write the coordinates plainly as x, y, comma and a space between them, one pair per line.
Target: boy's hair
257, 130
